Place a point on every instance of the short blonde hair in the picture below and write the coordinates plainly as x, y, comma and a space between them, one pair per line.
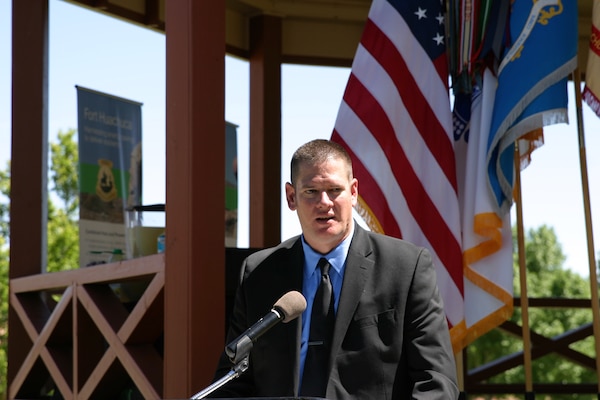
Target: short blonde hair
318, 151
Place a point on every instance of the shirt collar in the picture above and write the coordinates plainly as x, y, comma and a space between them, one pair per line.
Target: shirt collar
336, 257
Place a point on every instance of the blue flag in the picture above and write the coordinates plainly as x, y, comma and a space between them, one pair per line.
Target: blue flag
532, 82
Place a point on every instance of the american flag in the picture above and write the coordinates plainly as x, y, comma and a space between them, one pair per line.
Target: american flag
396, 123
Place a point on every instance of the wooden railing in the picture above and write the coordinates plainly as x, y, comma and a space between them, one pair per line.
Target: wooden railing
477, 379
95, 332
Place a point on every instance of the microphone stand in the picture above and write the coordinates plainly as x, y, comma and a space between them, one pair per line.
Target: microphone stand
235, 372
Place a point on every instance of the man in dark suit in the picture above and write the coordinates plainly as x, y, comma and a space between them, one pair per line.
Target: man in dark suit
390, 337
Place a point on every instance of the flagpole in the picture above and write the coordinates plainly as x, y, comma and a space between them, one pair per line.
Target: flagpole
588, 220
529, 395
460, 374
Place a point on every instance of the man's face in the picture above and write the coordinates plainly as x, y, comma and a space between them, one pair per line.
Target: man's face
323, 198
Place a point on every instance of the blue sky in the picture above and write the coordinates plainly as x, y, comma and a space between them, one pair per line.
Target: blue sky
109, 55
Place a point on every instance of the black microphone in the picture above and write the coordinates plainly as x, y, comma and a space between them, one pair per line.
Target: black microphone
286, 309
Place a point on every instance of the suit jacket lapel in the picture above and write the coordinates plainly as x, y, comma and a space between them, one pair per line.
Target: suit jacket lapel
358, 270
296, 266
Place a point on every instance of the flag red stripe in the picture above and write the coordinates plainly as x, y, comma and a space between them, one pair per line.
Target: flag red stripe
595, 40
433, 133
371, 192
420, 205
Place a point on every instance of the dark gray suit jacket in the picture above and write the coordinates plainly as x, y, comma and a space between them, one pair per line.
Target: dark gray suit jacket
391, 337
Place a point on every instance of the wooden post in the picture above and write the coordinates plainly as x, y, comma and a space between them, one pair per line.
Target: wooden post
265, 131
29, 165
195, 196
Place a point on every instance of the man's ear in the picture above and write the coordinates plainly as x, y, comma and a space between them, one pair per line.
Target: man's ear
354, 191
290, 196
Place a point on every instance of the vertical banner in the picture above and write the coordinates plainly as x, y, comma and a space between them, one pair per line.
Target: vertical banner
231, 185
110, 171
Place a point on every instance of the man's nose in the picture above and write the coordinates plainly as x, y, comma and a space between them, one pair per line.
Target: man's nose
324, 198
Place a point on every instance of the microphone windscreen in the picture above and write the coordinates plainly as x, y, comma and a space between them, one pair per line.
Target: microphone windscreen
291, 304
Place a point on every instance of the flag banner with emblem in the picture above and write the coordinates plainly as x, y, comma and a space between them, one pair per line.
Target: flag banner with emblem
504, 113
591, 91
486, 241
532, 79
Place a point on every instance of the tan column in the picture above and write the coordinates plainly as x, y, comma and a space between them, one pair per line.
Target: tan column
195, 195
29, 158
265, 131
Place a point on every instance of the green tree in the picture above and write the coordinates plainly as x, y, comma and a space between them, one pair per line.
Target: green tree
546, 277
63, 231
64, 157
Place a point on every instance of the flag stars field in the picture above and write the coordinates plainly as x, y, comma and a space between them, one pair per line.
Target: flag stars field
420, 13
